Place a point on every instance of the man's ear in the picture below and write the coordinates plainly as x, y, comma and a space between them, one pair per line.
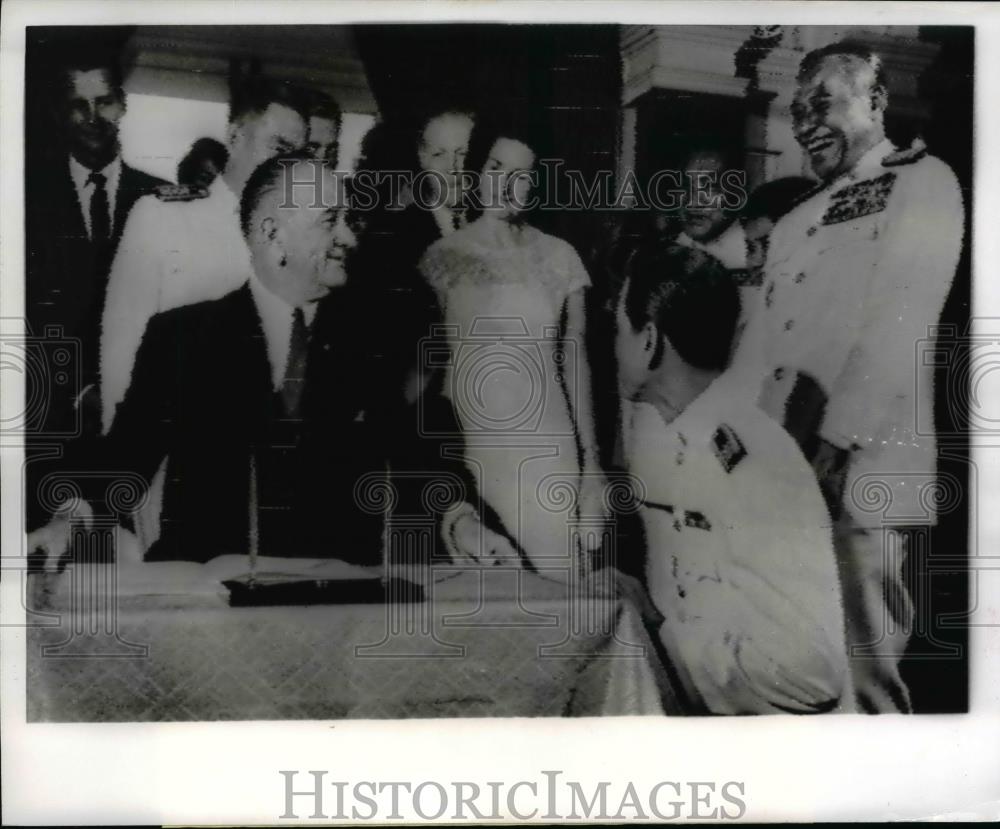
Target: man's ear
652, 346
879, 98
267, 229
233, 132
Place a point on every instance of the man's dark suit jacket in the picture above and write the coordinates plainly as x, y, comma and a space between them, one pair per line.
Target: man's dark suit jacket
386, 265
387, 261
66, 282
202, 395
67, 273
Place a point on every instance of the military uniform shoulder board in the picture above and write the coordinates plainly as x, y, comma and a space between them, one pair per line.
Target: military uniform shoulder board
911, 154
728, 447
861, 199
180, 192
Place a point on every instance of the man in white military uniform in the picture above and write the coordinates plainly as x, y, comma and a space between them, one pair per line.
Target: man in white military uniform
184, 245
740, 560
855, 276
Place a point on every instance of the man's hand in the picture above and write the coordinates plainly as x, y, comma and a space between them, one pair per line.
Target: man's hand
53, 540
472, 539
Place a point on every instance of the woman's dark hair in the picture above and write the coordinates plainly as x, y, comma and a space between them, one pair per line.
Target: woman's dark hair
690, 298
528, 130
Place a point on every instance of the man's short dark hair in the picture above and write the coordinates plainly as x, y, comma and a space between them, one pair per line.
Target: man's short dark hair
845, 49
204, 149
773, 199
267, 177
322, 105
86, 57
255, 95
690, 298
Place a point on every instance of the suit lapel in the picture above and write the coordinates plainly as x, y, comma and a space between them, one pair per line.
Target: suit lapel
251, 358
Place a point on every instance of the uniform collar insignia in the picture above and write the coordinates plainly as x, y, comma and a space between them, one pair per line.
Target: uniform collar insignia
861, 199
728, 447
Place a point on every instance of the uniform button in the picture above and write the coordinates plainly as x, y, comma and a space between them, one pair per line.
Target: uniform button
779, 373
789, 325
811, 231
799, 276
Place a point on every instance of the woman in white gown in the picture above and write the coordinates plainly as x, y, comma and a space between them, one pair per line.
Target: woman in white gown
513, 305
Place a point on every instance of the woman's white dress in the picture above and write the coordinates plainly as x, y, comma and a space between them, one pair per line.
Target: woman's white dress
504, 312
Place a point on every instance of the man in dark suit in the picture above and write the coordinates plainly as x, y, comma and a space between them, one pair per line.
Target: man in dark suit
77, 201
394, 239
259, 399
265, 401
77, 197
425, 438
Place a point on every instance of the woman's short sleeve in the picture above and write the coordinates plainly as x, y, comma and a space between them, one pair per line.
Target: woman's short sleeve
574, 276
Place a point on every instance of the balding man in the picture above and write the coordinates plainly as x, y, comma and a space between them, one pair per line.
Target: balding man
259, 399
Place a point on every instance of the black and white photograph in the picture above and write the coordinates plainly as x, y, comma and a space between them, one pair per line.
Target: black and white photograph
465, 370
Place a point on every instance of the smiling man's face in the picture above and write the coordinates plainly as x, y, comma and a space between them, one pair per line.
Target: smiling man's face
837, 114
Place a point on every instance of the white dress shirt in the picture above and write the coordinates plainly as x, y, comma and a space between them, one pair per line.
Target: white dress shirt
276, 320
729, 247
85, 190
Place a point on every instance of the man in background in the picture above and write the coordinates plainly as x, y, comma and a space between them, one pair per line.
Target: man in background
203, 163
324, 128
714, 196
78, 196
184, 245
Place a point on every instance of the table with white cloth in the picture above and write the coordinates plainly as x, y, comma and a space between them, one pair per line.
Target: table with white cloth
160, 642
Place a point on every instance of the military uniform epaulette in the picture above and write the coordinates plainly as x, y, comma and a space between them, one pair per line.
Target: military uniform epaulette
908, 156
180, 192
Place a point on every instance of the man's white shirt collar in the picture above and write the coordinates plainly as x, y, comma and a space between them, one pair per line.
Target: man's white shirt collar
84, 190
729, 247
870, 162
276, 320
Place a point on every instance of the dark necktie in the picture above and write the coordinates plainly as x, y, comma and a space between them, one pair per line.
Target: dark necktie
100, 210
295, 368
456, 220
